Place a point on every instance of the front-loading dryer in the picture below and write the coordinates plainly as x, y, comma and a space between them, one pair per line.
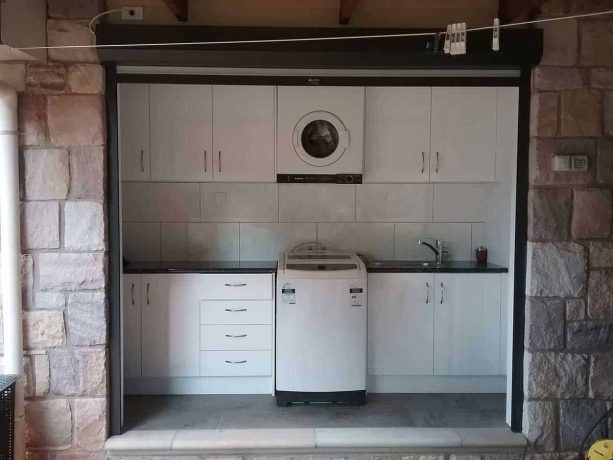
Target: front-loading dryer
320, 134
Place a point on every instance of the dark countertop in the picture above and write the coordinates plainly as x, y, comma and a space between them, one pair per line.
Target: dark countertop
452, 266
266, 266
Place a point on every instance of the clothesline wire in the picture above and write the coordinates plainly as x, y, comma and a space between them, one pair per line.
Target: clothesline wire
305, 39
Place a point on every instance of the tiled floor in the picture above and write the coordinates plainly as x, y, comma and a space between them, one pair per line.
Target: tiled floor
260, 411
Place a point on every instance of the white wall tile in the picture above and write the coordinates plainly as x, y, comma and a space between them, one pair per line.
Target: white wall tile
141, 241
268, 241
222, 202
316, 203
174, 242
160, 202
460, 202
213, 241
394, 203
456, 238
374, 240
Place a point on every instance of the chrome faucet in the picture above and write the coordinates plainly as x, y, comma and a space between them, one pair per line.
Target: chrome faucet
437, 249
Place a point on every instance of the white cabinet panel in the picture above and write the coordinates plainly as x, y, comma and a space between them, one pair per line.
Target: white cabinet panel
397, 134
467, 324
247, 286
400, 323
463, 142
236, 312
131, 315
235, 363
244, 133
181, 132
170, 326
134, 150
236, 337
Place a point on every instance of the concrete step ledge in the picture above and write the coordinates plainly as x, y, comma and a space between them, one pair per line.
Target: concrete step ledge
314, 441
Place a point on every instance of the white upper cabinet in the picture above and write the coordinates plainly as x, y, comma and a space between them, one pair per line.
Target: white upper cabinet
463, 143
467, 324
397, 134
400, 323
134, 150
244, 133
181, 132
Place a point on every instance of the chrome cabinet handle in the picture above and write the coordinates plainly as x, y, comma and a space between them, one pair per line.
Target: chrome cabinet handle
236, 309
427, 293
436, 171
236, 336
142, 159
204, 160
235, 284
219, 160
442, 292
423, 162
148, 294
237, 362
132, 293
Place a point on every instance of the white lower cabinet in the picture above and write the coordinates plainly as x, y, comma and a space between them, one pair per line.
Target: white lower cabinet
444, 324
180, 326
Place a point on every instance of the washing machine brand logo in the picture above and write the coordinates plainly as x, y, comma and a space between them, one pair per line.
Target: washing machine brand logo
288, 294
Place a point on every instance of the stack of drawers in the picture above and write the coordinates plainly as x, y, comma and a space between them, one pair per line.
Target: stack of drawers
236, 328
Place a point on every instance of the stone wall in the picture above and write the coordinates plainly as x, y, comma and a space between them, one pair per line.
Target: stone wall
62, 147
569, 310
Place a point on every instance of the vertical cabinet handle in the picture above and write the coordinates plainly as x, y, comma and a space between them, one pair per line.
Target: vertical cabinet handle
427, 293
148, 294
132, 294
219, 160
442, 292
436, 163
423, 162
204, 160
142, 161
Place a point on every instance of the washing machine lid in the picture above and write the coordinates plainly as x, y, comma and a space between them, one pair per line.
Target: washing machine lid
321, 262
320, 138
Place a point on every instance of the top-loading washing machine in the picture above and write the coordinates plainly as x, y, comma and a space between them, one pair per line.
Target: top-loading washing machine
320, 134
321, 328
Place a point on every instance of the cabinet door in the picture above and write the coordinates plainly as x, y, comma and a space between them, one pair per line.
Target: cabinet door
463, 128
467, 324
400, 323
397, 134
134, 150
170, 326
131, 307
244, 133
181, 132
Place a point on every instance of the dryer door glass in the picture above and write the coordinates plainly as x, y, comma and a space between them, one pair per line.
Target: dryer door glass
319, 138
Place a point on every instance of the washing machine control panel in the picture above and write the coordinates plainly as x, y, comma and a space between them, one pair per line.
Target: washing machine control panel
320, 178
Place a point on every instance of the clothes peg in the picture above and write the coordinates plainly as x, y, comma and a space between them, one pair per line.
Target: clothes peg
453, 46
496, 35
447, 45
463, 38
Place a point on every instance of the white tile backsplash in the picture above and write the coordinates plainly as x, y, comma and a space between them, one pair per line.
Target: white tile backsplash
374, 240
316, 203
160, 202
174, 241
394, 203
213, 241
460, 202
141, 241
456, 238
259, 241
222, 202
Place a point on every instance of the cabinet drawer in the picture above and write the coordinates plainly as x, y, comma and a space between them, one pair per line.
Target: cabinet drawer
236, 337
236, 312
238, 286
235, 363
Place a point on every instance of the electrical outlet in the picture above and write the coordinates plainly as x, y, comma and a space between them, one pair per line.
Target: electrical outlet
132, 13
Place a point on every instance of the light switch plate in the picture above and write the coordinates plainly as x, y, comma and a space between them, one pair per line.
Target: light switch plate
579, 163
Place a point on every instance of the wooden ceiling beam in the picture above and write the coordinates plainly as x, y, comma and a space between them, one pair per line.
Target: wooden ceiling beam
178, 8
346, 10
514, 10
